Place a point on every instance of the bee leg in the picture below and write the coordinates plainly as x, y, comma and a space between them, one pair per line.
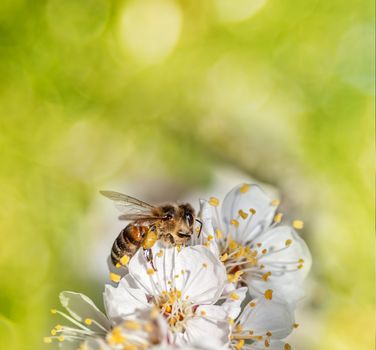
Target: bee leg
148, 253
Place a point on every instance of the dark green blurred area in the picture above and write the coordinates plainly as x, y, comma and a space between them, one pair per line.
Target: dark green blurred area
98, 92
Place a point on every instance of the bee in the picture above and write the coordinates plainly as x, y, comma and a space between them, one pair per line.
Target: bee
172, 223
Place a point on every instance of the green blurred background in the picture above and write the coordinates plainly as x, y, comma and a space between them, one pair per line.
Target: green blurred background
159, 99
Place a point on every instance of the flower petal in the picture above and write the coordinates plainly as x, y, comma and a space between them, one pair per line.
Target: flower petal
82, 307
122, 301
185, 270
198, 329
154, 281
262, 316
235, 297
289, 261
238, 204
202, 276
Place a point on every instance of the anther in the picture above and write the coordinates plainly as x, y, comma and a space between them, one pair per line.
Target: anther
288, 242
287, 347
268, 294
234, 296
47, 340
240, 344
243, 214
252, 211
278, 217
214, 201
275, 202
53, 311
244, 188
114, 277
234, 222
218, 233
88, 321
224, 257
298, 224
150, 272
252, 304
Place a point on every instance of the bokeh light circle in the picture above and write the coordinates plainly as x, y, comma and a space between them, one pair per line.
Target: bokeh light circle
150, 30
237, 11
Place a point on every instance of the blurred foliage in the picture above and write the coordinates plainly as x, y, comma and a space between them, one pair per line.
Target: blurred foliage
97, 92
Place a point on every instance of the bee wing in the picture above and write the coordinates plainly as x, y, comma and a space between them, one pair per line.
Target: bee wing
139, 217
129, 206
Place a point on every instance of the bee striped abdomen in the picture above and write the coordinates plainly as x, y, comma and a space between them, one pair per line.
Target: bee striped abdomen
128, 242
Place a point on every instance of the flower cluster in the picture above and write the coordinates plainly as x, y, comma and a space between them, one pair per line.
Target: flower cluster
235, 286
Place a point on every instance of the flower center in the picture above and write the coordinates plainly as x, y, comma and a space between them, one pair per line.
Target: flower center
175, 309
237, 258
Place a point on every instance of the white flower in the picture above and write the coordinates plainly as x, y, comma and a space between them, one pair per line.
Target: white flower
90, 329
272, 260
262, 325
184, 288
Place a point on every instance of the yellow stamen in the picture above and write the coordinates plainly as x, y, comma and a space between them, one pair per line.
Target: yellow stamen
88, 321
252, 304
298, 224
224, 257
114, 277
160, 253
266, 275
240, 344
53, 311
244, 188
243, 214
118, 265
268, 294
61, 338
204, 265
150, 272
278, 217
287, 347
288, 242
214, 201
47, 340
218, 233
275, 202
295, 325
203, 313
234, 296
235, 223
210, 237
231, 321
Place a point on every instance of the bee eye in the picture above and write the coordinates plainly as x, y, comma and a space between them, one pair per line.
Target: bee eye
188, 219
168, 216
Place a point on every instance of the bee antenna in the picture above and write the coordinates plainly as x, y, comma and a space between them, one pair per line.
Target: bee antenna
199, 232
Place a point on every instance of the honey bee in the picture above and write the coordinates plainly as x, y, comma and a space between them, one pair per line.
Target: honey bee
172, 223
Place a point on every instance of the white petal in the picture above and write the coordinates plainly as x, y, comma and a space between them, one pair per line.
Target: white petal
154, 282
286, 285
123, 301
207, 333
204, 275
233, 306
82, 307
267, 316
185, 270
253, 198
207, 230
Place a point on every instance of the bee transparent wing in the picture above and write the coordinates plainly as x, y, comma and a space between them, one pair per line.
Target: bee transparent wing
129, 206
